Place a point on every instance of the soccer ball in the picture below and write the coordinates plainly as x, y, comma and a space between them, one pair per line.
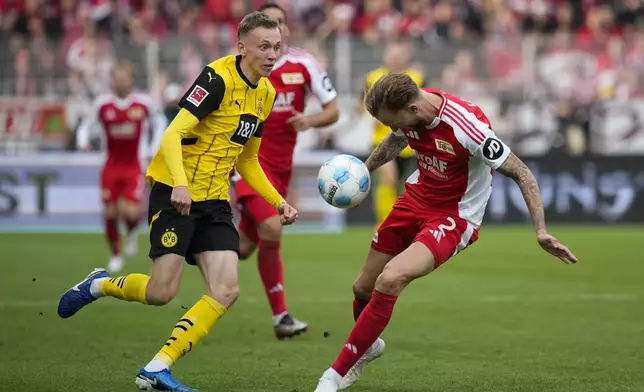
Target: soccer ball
344, 181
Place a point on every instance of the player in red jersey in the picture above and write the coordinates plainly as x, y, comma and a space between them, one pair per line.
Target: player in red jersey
295, 74
437, 216
125, 117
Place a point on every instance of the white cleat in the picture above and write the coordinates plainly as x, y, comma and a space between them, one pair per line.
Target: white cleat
115, 264
329, 382
131, 243
374, 352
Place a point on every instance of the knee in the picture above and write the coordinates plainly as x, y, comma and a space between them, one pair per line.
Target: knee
270, 229
392, 281
246, 249
362, 289
226, 295
159, 295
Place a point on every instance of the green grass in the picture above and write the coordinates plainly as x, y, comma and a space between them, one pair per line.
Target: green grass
502, 316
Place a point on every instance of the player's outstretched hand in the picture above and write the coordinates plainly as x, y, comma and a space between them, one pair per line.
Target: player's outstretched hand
299, 121
181, 200
288, 214
555, 248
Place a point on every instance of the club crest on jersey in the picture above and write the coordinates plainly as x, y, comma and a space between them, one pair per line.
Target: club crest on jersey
293, 78
135, 113
197, 95
442, 145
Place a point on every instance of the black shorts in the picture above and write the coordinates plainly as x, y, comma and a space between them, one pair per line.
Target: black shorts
209, 226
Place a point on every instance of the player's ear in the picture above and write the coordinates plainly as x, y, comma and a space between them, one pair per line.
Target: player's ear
241, 48
413, 108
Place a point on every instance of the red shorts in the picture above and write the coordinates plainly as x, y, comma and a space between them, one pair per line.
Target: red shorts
117, 182
254, 209
443, 234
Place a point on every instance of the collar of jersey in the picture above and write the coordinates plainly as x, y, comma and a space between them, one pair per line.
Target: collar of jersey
241, 74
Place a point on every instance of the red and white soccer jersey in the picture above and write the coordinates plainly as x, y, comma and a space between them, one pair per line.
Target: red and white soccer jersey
445, 198
126, 123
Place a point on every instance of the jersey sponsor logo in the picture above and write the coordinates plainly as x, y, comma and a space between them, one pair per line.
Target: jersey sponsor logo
442, 145
245, 129
284, 101
123, 131
493, 149
197, 95
169, 239
439, 233
210, 77
433, 165
293, 78
135, 113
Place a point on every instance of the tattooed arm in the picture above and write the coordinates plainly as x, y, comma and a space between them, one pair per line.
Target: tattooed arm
387, 150
514, 168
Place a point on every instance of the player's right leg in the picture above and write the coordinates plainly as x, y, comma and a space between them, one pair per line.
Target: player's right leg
130, 210
110, 191
170, 237
416, 261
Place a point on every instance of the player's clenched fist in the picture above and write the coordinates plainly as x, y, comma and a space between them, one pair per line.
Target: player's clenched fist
181, 200
288, 214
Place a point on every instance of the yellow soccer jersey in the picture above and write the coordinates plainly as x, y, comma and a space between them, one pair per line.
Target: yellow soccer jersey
381, 130
222, 115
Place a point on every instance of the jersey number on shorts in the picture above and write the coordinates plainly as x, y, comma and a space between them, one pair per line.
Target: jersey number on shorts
440, 232
245, 129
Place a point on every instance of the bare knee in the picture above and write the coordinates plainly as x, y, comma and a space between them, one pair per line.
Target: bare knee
246, 247
110, 211
160, 293
270, 229
393, 280
362, 289
226, 295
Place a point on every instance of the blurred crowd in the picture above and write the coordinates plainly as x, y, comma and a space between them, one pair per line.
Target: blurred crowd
570, 54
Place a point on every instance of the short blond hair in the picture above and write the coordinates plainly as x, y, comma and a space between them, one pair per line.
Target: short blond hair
394, 92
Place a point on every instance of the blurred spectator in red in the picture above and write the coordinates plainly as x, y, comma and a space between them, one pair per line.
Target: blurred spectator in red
376, 21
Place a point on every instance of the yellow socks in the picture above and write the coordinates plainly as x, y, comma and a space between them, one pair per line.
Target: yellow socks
128, 288
191, 329
384, 198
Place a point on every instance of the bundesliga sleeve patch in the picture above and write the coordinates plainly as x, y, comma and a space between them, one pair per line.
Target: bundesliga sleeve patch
197, 95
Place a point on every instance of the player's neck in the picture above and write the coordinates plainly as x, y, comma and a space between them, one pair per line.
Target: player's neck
429, 106
247, 73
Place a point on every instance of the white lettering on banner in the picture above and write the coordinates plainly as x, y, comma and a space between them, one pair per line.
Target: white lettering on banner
284, 102
60, 192
434, 165
606, 195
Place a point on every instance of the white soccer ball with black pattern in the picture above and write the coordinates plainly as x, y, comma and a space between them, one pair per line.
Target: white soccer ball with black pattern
344, 181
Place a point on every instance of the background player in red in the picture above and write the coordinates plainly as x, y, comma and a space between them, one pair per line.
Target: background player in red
437, 216
125, 116
295, 74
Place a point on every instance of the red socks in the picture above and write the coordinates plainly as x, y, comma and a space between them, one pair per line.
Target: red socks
271, 270
112, 233
358, 307
370, 324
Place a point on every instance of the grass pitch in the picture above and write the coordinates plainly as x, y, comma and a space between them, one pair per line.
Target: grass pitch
502, 316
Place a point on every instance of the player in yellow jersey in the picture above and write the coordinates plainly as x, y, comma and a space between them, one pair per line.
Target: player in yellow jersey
396, 59
219, 126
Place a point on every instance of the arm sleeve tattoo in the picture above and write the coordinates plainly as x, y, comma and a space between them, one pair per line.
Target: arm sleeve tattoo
514, 168
387, 150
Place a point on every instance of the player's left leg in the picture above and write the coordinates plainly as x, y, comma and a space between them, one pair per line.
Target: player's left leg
415, 262
270, 264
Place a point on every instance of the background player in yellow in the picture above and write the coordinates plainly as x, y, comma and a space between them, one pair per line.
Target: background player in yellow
396, 59
219, 126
